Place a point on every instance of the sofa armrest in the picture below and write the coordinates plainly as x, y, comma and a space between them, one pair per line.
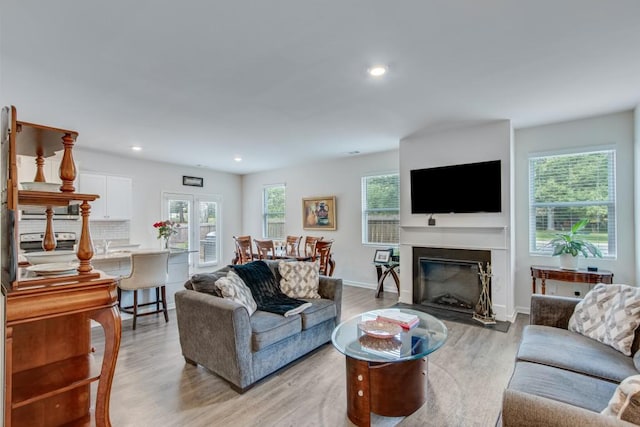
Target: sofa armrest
551, 310
331, 288
215, 333
527, 410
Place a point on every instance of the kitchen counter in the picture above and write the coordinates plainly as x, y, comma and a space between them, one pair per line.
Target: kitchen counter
117, 254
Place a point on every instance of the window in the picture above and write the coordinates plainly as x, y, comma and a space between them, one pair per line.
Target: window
381, 209
273, 204
565, 188
198, 224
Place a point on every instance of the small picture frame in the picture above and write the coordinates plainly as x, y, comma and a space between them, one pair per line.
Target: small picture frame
383, 255
192, 181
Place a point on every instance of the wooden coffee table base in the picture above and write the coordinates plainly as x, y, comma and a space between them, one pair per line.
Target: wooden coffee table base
387, 389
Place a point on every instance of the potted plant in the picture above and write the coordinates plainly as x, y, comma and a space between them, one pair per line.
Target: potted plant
569, 245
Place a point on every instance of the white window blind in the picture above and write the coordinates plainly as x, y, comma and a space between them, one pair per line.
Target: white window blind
566, 188
273, 209
381, 209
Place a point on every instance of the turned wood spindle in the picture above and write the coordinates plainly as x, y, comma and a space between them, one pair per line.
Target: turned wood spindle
49, 240
67, 166
39, 167
85, 248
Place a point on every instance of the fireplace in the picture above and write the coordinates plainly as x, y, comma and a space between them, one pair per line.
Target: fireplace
448, 278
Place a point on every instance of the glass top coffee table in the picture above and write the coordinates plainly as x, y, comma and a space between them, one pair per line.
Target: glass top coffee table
386, 368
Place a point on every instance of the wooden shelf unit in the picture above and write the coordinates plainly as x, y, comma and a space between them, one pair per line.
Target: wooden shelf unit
49, 362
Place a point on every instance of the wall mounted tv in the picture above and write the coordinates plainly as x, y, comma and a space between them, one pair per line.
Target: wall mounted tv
465, 188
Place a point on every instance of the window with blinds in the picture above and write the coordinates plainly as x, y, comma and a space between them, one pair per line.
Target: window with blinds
381, 209
566, 188
273, 208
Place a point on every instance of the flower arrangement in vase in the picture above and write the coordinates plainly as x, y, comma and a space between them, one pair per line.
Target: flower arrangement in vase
165, 230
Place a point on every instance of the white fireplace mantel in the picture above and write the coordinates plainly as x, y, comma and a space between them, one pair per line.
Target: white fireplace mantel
493, 238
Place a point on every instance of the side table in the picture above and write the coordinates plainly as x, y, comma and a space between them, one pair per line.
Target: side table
383, 269
545, 272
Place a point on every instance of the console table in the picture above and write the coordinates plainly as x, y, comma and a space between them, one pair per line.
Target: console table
545, 272
383, 269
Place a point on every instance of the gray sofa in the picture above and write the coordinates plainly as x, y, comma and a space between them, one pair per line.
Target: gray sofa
220, 335
562, 378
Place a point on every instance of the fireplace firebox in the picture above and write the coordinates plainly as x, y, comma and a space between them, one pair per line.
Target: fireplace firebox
448, 278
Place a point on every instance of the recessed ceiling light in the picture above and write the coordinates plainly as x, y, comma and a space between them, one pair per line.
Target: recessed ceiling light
136, 148
377, 70
237, 158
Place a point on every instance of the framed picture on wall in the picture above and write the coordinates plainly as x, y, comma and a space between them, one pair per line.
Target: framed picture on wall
319, 213
383, 255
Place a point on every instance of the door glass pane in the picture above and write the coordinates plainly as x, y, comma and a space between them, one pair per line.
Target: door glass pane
208, 214
179, 213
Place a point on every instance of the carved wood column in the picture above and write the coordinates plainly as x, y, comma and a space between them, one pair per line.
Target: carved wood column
67, 166
85, 247
49, 240
39, 167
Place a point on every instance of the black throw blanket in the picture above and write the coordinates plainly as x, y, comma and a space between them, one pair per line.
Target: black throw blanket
266, 291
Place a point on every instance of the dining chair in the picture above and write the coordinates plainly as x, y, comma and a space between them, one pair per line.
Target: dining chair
310, 245
323, 253
149, 270
244, 250
292, 245
266, 249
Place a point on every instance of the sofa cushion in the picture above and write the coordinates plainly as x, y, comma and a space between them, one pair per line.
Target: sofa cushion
233, 288
609, 314
568, 350
300, 279
625, 403
320, 311
562, 385
258, 276
269, 328
206, 282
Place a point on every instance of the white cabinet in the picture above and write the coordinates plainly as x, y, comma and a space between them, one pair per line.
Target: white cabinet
115, 194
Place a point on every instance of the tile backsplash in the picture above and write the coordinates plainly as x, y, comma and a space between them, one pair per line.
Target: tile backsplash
100, 230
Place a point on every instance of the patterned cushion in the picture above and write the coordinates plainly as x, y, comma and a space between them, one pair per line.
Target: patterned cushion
233, 288
300, 279
609, 314
625, 403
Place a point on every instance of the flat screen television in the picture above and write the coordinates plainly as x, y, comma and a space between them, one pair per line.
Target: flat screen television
465, 188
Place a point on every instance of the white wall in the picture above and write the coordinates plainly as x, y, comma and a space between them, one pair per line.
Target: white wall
151, 179
340, 178
490, 231
607, 130
636, 181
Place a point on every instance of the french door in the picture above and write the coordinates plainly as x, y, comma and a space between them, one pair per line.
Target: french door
198, 219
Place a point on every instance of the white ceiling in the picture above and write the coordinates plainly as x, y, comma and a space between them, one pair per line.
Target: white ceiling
284, 81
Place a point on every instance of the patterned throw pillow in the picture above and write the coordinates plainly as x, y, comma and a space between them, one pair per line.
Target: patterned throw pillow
609, 314
625, 403
233, 288
300, 279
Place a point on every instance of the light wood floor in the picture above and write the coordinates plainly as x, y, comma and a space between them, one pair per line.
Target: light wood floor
153, 386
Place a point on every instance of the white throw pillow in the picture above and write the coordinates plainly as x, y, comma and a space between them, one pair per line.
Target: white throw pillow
625, 403
232, 287
609, 314
300, 279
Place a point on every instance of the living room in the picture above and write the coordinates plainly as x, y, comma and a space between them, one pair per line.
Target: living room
515, 114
